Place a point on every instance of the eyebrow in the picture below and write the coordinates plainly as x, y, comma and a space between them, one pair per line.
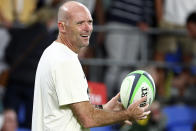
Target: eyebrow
84, 21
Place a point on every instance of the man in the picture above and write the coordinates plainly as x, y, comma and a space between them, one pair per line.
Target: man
170, 18
10, 122
135, 15
191, 27
61, 102
191, 24
171, 15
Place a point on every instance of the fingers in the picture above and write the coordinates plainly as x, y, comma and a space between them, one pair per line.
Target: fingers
141, 100
128, 122
137, 112
146, 107
142, 118
144, 115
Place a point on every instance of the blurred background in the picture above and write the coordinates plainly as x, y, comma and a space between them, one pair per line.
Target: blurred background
158, 36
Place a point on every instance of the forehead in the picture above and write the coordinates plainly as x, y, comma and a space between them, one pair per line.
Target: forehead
80, 13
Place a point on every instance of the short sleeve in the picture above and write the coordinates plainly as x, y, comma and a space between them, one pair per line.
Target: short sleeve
70, 83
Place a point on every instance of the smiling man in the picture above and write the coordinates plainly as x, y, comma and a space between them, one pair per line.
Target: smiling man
61, 101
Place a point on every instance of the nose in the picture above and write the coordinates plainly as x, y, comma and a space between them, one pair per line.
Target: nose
88, 27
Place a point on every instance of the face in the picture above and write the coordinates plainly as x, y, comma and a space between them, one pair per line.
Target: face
79, 27
10, 121
192, 29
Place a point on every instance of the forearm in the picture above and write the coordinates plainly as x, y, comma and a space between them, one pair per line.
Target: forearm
159, 10
89, 116
104, 117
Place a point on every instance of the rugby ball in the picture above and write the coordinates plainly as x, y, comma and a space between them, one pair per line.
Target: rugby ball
136, 85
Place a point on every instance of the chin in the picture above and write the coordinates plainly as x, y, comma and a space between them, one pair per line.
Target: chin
85, 44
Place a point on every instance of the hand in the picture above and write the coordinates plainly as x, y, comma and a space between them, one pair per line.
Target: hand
127, 122
114, 104
143, 26
136, 112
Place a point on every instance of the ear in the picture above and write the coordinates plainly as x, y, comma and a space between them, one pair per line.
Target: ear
62, 27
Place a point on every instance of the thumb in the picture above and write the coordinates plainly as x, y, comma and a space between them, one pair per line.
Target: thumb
117, 97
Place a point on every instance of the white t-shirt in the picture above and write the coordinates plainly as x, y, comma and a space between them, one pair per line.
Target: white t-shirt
176, 11
59, 81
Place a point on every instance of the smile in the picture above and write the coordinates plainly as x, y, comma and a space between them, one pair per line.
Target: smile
85, 35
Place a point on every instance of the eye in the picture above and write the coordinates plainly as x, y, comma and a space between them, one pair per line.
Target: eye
90, 22
80, 22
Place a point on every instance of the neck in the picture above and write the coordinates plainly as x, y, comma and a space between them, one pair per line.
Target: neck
64, 41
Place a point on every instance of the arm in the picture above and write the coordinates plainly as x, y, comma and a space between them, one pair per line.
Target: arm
99, 12
4, 21
100, 18
89, 116
159, 10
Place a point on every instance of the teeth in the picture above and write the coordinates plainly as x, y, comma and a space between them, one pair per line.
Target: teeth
84, 35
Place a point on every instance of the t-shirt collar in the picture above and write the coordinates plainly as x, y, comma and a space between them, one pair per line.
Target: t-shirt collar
66, 48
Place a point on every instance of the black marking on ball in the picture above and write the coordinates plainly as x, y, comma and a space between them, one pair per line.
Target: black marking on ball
146, 75
144, 92
137, 76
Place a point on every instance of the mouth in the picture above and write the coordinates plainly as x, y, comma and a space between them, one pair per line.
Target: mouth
84, 36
